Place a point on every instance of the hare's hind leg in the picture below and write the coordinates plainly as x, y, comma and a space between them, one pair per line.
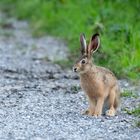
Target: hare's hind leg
112, 102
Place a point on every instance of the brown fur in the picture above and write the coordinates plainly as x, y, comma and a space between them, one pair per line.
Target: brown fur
98, 83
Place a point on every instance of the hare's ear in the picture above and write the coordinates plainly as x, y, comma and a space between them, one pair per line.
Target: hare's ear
83, 44
94, 43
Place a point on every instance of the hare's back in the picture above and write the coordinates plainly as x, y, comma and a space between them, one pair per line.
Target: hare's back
107, 76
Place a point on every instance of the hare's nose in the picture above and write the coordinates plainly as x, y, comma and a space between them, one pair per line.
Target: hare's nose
75, 69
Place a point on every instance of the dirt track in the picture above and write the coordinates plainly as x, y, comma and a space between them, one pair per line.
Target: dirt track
39, 100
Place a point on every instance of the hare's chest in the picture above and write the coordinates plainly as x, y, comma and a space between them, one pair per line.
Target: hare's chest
89, 86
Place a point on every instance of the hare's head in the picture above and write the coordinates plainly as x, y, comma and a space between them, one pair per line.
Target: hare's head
85, 61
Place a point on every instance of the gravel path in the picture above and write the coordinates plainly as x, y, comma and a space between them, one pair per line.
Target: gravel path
40, 101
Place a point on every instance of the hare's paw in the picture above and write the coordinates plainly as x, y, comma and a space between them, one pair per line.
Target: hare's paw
110, 112
97, 114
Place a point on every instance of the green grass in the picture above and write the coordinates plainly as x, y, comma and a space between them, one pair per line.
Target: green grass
128, 94
135, 111
116, 21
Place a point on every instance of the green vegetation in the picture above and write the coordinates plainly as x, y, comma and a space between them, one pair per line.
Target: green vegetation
75, 89
138, 123
129, 94
116, 21
135, 111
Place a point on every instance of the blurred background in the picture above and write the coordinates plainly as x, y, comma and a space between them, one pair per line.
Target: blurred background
118, 23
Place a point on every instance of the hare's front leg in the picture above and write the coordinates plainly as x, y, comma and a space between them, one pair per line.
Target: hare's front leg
99, 106
91, 109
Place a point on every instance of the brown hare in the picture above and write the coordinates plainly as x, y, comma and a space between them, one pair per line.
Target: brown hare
99, 84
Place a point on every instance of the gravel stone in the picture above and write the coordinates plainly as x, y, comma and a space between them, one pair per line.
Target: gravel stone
40, 101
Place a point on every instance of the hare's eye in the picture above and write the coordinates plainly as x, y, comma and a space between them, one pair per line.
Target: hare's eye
83, 62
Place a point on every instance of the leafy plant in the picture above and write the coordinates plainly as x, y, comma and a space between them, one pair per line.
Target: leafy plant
135, 111
127, 93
